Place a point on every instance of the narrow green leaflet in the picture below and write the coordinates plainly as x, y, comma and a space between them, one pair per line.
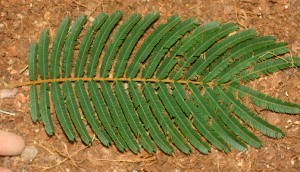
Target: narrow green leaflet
149, 44
100, 40
43, 54
148, 119
268, 67
74, 112
133, 118
61, 111
86, 44
57, 46
116, 42
248, 117
217, 124
118, 117
231, 122
70, 44
164, 119
45, 109
269, 51
89, 112
163, 47
104, 116
131, 41
34, 104
265, 101
179, 118
199, 120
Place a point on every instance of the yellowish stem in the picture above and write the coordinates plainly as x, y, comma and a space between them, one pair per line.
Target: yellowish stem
37, 82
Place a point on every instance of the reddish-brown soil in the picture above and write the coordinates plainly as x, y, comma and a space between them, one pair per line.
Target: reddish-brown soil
22, 20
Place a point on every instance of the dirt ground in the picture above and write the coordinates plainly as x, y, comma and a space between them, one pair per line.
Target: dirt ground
22, 20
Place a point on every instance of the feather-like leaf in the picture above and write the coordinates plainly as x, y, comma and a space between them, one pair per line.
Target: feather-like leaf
174, 85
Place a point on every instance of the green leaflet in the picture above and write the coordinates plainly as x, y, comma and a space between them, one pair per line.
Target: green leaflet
214, 36
45, 109
159, 85
235, 53
217, 124
70, 44
100, 40
74, 112
86, 44
116, 42
61, 111
119, 118
164, 120
269, 66
149, 121
247, 116
43, 54
162, 48
149, 44
88, 112
133, 118
179, 118
34, 104
231, 122
57, 46
271, 50
104, 115
131, 41
198, 118
265, 101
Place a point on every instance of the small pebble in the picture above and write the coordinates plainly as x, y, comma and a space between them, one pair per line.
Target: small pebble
11, 144
29, 153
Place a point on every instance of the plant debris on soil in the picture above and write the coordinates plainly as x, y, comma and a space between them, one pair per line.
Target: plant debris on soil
20, 24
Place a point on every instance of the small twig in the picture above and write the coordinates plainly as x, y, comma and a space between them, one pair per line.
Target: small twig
21, 71
64, 160
7, 113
